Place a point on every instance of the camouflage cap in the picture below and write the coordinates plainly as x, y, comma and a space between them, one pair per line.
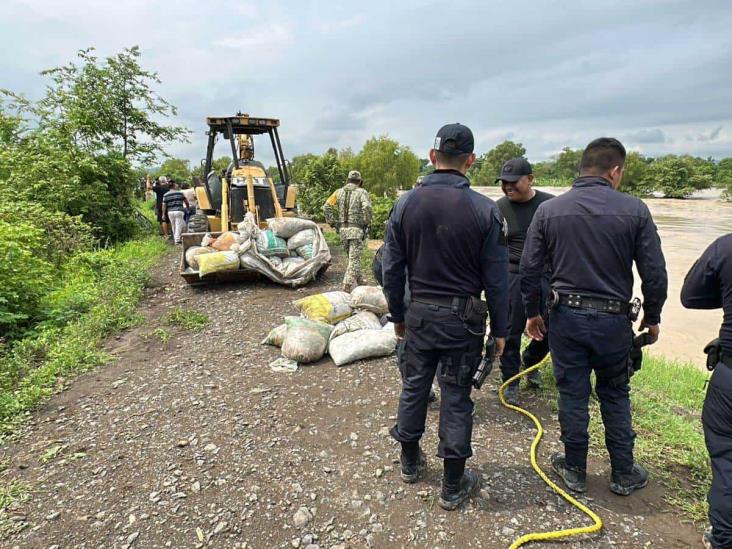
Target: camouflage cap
354, 175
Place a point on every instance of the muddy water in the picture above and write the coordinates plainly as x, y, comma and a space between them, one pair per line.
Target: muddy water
686, 228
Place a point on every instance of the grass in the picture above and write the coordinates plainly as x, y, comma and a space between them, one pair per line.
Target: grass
334, 241
97, 295
667, 398
188, 319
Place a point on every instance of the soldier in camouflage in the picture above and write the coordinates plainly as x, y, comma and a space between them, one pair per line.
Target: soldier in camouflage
352, 205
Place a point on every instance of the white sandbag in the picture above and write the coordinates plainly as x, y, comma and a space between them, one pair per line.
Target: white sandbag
369, 298
300, 239
363, 320
329, 307
276, 336
295, 275
285, 227
193, 252
269, 244
290, 265
304, 344
360, 345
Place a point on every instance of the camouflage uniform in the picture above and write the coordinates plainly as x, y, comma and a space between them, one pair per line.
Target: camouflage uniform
352, 205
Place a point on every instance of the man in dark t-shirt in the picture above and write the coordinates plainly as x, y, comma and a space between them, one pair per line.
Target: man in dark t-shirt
518, 208
160, 188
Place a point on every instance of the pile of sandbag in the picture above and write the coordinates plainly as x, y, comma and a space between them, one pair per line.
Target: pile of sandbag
346, 326
291, 251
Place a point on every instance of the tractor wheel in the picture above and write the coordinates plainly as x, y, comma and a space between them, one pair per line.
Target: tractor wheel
198, 223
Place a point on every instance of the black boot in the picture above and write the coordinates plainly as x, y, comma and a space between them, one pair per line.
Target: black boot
574, 478
457, 484
413, 461
626, 483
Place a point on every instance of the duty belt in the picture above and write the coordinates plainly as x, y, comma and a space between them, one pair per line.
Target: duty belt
576, 301
443, 302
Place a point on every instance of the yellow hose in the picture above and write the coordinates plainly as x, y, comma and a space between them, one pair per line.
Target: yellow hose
555, 534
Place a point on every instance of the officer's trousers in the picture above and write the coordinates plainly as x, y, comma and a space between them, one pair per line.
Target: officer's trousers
354, 250
717, 422
436, 336
581, 341
536, 350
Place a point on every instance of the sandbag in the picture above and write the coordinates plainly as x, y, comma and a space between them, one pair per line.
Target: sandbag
192, 254
369, 298
322, 327
304, 344
362, 320
276, 336
290, 265
306, 252
268, 244
217, 262
286, 227
207, 240
300, 239
224, 241
362, 344
328, 307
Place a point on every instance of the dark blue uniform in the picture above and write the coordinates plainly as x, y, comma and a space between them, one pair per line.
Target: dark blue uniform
709, 286
590, 237
518, 217
450, 239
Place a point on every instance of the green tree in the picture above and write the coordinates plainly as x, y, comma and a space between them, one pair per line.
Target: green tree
386, 166
76, 150
111, 104
317, 177
177, 168
677, 176
568, 163
488, 166
635, 181
723, 177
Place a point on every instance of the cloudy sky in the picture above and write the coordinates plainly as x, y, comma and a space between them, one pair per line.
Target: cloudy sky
655, 73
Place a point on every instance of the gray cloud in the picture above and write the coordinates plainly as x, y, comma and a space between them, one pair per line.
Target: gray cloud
650, 72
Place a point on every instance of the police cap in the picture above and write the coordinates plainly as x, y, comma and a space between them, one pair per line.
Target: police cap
454, 139
514, 169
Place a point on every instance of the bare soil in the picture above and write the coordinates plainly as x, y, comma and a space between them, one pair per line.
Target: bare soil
195, 442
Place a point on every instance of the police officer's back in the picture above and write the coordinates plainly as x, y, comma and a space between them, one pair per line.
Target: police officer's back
449, 239
590, 236
708, 285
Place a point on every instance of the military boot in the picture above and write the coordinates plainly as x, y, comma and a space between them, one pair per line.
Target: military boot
511, 394
457, 484
574, 478
625, 484
533, 379
412, 461
708, 539
347, 288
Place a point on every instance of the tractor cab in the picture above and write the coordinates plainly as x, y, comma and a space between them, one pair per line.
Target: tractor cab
244, 186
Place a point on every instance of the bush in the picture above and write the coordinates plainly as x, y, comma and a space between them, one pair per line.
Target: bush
24, 276
64, 235
317, 177
381, 209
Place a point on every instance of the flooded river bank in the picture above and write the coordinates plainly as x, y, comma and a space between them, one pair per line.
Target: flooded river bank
686, 228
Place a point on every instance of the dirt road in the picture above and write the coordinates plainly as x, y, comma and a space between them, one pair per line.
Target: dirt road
195, 442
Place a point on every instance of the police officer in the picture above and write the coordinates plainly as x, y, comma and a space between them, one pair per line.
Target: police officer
709, 286
518, 208
590, 236
450, 240
354, 217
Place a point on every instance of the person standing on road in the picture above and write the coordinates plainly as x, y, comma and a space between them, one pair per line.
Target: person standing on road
590, 237
708, 285
160, 188
451, 242
518, 208
190, 195
353, 219
174, 208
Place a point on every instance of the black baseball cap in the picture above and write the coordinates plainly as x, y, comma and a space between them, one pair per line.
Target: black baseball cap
454, 139
514, 169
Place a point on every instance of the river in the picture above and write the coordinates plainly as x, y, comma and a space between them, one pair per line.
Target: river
686, 228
